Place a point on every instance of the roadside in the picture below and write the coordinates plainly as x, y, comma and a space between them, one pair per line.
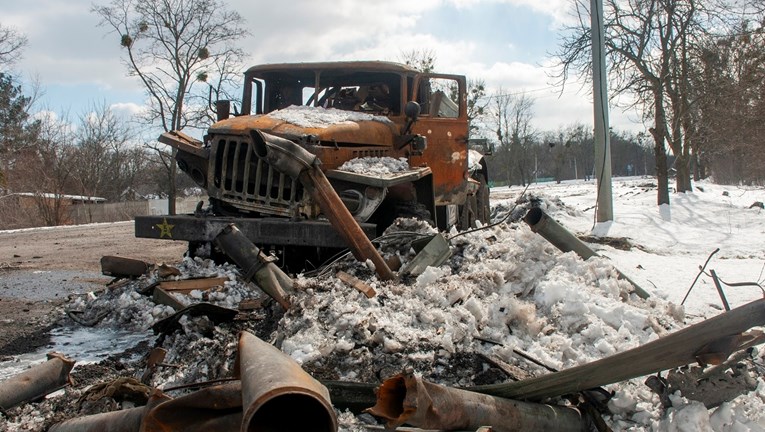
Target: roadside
40, 268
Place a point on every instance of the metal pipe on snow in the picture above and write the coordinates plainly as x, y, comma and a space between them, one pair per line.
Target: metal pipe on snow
560, 237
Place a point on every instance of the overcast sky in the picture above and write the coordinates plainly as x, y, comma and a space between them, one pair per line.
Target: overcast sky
505, 42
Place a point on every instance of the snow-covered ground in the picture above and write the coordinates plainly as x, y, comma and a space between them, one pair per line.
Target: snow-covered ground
505, 290
672, 241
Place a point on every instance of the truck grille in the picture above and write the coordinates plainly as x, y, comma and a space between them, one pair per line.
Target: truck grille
242, 179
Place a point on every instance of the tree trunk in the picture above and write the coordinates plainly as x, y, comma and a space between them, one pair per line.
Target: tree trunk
683, 179
661, 173
659, 132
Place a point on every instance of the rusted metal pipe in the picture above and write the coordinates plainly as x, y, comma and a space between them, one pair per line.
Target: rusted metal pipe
255, 265
128, 420
277, 394
560, 237
408, 399
36, 382
293, 160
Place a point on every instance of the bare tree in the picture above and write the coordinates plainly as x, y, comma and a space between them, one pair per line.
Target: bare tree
12, 43
512, 114
174, 47
45, 169
730, 108
101, 150
424, 60
648, 44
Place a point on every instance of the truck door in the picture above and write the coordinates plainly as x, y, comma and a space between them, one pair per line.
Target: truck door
443, 121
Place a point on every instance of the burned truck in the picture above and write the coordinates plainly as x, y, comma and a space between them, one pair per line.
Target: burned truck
346, 120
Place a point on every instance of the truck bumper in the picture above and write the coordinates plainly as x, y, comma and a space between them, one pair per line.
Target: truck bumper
261, 231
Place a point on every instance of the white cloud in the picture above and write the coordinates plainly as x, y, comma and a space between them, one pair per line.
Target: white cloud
127, 109
68, 49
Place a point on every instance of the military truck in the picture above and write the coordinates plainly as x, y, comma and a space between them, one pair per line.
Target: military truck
352, 118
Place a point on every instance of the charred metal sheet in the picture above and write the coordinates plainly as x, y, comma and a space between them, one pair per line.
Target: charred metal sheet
217, 314
406, 399
434, 253
296, 161
264, 231
278, 394
255, 265
215, 408
36, 382
123, 267
192, 156
560, 237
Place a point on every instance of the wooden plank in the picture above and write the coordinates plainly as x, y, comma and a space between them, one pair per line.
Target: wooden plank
251, 304
718, 334
188, 285
161, 296
356, 283
513, 372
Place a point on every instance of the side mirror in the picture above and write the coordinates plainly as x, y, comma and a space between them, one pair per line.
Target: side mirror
412, 112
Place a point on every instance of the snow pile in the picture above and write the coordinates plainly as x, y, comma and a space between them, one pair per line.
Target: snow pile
321, 118
376, 166
505, 290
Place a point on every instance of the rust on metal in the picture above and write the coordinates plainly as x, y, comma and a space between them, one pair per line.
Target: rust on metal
255, 265
214, 408
356, 283
36, 382
407, 399
121, 267
277, 394
297, 162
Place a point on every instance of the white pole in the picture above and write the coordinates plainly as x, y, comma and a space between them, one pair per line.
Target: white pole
605, 210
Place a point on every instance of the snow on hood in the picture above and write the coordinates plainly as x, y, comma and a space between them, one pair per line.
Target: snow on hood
376, 166
318, 117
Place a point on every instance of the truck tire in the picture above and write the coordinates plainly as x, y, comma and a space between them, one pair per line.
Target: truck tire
476, 207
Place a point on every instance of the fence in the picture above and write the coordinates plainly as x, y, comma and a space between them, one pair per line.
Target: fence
122, 211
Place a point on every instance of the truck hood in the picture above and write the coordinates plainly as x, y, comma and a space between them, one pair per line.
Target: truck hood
327, 124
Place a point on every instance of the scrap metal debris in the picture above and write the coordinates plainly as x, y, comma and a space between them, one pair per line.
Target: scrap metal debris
36, 382
407, 399
331, 347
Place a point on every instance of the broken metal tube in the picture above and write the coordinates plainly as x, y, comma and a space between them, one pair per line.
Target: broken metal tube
128, 420
277, 394
560, 237
254, 264
406, 399
36, 382
293, 160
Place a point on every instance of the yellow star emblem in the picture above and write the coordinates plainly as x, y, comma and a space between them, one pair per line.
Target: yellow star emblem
165, 229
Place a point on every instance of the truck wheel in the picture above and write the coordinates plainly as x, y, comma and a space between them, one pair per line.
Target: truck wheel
476, 208
483, 207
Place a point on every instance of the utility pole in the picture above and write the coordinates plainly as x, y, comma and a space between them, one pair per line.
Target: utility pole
605, 208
